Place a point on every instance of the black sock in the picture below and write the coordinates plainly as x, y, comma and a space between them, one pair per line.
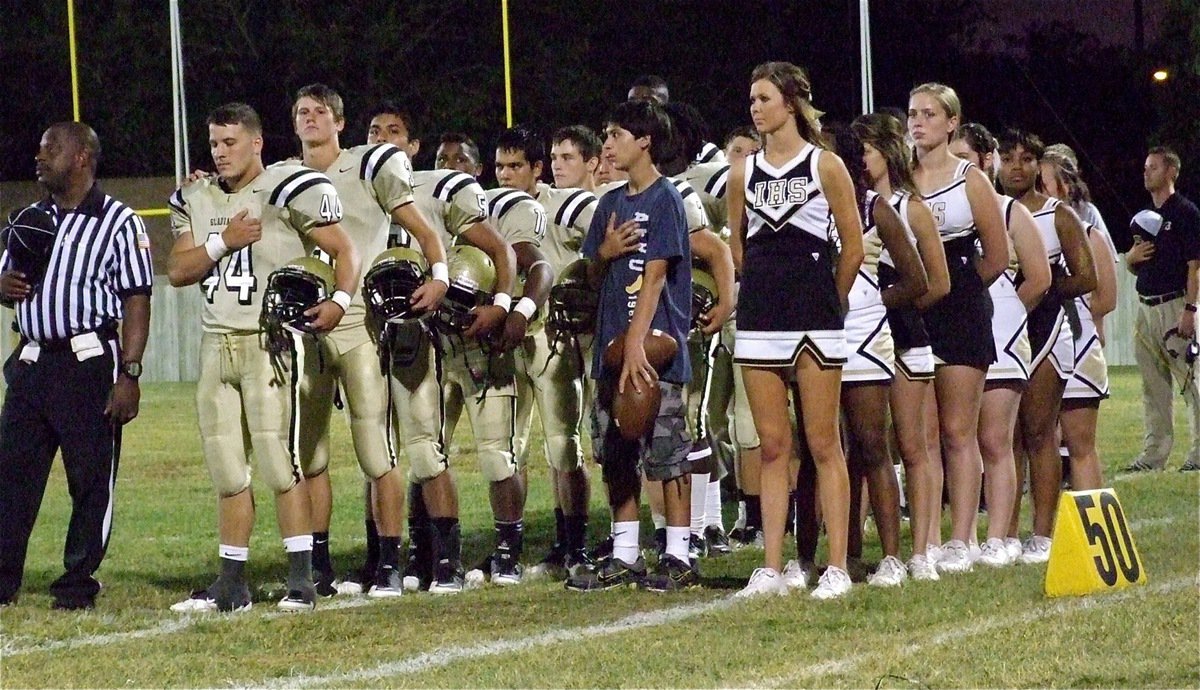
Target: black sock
560, 528
753, 512
372, 545
320, 552
446, 541
575, 532
510, 536
389, 552
300, 567
233, 571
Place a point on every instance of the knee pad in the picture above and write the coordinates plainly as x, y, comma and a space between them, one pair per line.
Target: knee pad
496, 464
425, 461
278, 468
228, 470
564, 453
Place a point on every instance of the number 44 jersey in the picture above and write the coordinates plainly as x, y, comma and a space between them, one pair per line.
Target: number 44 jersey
289, 200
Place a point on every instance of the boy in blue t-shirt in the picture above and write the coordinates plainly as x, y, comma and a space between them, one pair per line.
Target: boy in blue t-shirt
641, 264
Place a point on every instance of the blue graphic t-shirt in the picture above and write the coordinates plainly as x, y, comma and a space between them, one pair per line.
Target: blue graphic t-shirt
659, 212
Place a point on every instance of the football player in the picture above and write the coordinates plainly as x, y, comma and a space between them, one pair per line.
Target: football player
374, 182
231, 231
548, 377
455, 205
741, 142
491, 399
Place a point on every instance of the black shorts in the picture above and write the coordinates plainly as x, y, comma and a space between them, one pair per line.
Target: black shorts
663, 454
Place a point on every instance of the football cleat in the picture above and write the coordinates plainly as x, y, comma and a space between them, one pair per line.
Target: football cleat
389, 584
717, 540
671, 575
298, 601
447, 579
610, 574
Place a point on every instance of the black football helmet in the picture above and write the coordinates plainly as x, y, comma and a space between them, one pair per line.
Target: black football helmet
29, 239
472, 283
704, 295
292, 289
572, 303
390, 283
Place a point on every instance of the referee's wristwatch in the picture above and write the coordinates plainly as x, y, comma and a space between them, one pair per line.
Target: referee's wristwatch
131, 370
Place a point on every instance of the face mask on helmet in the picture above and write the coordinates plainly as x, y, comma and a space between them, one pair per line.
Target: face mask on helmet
390, 283
472, 282
29, 239
291, 290
704, 295
572, 302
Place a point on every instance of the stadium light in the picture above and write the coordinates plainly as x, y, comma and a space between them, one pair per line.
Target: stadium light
1161, 75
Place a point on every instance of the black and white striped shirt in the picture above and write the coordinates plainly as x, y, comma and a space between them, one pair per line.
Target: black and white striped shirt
100, 256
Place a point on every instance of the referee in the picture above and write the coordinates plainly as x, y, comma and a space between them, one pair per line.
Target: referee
71, 384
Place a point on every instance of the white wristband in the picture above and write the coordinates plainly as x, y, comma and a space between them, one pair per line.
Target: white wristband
341, 298
526, 307
503, 301
440, 271
215, 246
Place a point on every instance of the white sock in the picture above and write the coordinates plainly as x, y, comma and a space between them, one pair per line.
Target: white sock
699, 494
712, 506
625, 541
659, 520
678, 541
234, 553
300, 542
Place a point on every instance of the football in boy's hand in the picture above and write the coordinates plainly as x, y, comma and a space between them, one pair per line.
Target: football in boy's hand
634, 411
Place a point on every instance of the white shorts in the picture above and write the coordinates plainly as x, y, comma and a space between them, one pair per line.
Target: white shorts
1089, 380
1009, 333
870, 351
783, 348
916, 363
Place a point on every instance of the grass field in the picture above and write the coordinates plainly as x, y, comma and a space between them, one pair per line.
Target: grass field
986, 628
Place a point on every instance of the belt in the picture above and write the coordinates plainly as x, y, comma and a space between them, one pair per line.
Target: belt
1155, 300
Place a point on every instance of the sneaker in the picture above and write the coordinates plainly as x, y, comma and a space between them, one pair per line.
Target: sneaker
578, 562
1190, 466
697, 547
933, 552
834, 583
922, 569
973, 550
1035, 550
298, 601
506, 568
717, 540
552, 566
448, 579
890, 573
1138, 465
764, 582
671, 575
609, 574
1013, 546
325, 583
389, 583
796, 576
994, 554
351, 586
956, 557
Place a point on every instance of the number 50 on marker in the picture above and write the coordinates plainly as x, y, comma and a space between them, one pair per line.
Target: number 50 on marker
1092, 549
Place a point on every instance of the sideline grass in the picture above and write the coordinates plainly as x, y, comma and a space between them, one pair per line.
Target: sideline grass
988, 628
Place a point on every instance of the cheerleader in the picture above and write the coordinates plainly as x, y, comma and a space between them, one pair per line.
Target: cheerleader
965, 209
786, 203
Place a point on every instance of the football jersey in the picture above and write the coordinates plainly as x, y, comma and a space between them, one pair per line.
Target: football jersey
950, 207
710, 153
290, 201
693, 208
568, 216
517, 216
709, 180
450, 201
372, 181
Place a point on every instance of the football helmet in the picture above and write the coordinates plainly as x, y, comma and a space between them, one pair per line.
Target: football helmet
472, 282
29, 239
572, 303
704, 294
390, 283
293, 288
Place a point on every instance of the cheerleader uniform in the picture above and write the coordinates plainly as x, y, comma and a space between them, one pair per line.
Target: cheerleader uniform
914, 357
870, 354
1050, 333
1089, 381
959, 324
789, 301
1009, 332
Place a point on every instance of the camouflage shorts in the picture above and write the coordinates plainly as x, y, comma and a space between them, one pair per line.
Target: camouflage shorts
662, 454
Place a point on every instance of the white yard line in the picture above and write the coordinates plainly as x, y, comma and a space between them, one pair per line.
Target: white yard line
810, 675
449, 655
177, 623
